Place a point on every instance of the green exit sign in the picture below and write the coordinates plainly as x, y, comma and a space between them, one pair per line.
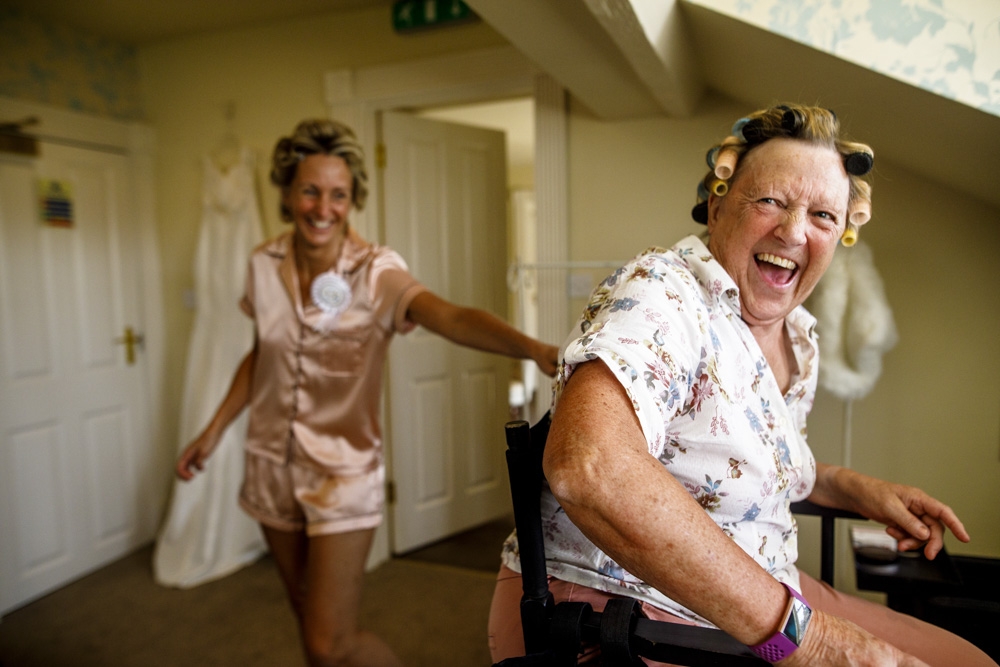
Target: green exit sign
408, 15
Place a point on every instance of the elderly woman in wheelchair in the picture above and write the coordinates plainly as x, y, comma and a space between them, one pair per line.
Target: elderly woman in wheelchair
677, 441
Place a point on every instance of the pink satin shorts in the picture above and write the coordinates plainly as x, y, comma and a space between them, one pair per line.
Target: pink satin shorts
299, 495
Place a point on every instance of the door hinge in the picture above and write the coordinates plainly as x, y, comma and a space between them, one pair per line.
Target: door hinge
380, 155
390, 492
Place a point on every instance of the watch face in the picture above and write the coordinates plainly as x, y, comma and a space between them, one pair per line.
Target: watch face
795, 628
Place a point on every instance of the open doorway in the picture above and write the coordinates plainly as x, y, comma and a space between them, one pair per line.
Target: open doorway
516, 119
444, 189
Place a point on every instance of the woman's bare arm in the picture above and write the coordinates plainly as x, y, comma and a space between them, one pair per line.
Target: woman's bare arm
624, 500
192, 459
479, 329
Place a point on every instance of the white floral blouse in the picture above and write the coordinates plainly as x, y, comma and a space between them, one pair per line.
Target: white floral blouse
668, 325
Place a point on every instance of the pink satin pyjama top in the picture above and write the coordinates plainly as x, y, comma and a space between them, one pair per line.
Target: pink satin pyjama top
318, 381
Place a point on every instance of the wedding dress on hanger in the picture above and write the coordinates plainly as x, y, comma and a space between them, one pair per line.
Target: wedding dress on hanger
206, 535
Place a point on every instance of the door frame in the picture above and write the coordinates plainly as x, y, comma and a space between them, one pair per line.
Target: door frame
357, 97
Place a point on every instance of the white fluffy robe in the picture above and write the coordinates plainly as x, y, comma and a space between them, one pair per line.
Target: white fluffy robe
854, 323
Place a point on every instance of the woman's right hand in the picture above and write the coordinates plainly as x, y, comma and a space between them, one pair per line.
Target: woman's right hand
831, 640
192, 459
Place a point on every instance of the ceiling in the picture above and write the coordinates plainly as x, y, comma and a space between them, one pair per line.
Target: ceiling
599, 53
146, 21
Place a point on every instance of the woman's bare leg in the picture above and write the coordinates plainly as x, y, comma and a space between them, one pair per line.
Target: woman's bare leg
324, 576
288, 549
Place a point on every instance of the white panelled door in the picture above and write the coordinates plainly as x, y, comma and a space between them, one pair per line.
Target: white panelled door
73, 423
446, 214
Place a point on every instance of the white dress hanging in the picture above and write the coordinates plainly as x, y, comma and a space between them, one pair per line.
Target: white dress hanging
206, 535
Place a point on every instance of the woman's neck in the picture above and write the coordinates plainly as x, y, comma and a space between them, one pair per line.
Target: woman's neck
776, 344
312, 261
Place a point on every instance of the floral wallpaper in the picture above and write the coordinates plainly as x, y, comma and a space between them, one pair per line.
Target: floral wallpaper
61, 66
950, 47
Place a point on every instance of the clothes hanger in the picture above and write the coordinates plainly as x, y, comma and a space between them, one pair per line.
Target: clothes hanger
227, 152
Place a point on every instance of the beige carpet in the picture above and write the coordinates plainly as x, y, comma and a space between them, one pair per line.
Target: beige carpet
432, 612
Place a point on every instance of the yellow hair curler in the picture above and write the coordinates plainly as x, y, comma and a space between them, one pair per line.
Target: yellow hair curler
850, 236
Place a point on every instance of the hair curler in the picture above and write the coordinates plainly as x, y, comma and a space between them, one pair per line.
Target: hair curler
850, 236
753, 131
860, 213
792, 120
711, 156
725, 165
859, 163
700, 213
738, 128
702, 192
719, 188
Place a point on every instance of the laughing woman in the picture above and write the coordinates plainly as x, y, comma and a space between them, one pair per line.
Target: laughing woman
678, 436
325, 304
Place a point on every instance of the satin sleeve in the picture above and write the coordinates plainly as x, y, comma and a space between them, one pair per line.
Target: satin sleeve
393, 288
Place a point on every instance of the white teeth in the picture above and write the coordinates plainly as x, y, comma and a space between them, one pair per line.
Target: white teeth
777, 261
321, 224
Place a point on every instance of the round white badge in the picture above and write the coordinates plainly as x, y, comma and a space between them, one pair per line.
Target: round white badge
331, 293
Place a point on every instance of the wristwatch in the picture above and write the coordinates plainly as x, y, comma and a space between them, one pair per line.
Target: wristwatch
790, 633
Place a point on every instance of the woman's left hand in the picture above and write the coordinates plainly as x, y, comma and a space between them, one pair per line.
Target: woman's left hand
911, 516
547, 359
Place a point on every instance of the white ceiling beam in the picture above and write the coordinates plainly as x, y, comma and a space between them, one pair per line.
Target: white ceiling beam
652, 37
569, 42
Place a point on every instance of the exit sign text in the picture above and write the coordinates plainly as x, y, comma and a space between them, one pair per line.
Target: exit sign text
409, 15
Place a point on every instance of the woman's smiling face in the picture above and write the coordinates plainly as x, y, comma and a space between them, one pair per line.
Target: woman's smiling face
776, 230
319, 198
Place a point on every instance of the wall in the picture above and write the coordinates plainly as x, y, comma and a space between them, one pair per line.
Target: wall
633, 183
933, 419
273, 77
67, 68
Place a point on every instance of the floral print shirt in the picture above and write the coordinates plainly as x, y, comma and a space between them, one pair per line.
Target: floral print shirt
668, 325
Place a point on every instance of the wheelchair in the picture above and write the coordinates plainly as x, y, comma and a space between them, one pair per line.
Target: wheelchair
555, 634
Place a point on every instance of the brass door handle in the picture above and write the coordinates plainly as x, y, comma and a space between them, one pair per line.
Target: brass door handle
130, 340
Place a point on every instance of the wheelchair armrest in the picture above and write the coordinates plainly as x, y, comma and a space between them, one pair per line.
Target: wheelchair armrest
827, 539
809, 508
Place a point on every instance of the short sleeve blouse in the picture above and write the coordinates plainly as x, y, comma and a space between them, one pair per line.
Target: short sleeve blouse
668, 325
316, 382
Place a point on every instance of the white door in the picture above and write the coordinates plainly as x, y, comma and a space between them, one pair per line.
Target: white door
73, 422
446, 214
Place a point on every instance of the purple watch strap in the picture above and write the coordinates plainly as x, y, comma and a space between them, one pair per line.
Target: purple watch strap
778, 646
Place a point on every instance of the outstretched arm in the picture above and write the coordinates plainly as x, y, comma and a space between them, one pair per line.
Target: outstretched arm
479, 329
600, 470
911, 516
192, 459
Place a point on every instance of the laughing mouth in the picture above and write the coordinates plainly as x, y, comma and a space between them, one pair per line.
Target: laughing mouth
777, 261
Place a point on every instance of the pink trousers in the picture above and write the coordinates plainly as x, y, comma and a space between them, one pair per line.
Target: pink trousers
936, 647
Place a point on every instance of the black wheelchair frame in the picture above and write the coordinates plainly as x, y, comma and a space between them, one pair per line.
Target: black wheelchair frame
554, 634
